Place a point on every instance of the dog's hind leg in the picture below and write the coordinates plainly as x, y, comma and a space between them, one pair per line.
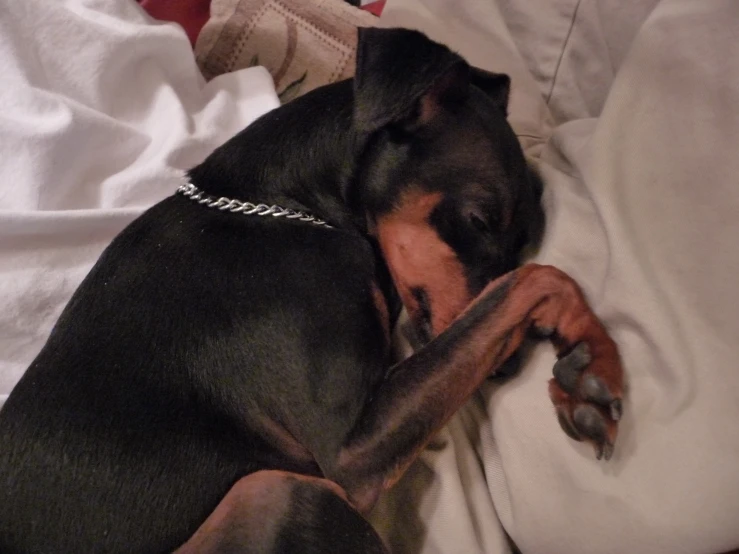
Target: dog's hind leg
271, 512
422, 392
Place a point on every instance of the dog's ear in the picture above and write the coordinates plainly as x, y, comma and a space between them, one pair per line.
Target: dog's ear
496, 85
404, 77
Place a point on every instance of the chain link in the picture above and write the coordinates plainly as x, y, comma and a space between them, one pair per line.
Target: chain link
247, 208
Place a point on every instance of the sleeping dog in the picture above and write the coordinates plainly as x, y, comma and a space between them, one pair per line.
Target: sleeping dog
221, 381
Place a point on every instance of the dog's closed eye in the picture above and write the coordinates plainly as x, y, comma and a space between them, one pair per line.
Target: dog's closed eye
478, 223
483, 223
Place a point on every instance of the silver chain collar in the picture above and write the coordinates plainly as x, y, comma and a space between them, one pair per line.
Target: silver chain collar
247, 208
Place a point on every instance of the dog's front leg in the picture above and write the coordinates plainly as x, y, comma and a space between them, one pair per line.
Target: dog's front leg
424, 391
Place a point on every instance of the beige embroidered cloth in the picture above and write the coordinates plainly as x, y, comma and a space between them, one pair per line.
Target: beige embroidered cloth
304, 44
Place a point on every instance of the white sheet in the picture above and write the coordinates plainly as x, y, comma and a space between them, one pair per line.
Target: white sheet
101, 110
630, 108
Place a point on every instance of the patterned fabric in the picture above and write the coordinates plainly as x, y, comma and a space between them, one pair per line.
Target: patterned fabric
302, 44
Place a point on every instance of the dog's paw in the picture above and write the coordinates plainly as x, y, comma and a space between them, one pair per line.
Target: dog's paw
587, 393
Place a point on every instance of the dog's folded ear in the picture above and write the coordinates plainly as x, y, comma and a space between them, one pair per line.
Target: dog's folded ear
496, 85
404, 77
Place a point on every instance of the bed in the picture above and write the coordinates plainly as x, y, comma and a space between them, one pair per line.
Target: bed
628, 108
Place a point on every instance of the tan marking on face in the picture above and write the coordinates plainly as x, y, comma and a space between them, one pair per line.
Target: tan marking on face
419, 258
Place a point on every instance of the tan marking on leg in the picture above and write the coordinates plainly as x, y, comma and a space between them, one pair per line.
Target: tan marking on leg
252, 509
423, 391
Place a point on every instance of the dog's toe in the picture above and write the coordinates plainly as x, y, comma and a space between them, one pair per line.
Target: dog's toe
587, 419
568, 369
565, 421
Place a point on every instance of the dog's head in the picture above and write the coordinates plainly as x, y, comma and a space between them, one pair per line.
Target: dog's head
443, 178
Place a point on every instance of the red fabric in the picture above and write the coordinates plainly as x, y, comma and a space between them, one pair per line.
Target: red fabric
375, 7
190, 14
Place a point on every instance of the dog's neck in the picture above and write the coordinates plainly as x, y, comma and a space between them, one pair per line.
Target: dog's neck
301, 155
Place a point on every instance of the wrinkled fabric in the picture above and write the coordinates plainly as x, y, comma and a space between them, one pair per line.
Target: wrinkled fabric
102, 109
632, 109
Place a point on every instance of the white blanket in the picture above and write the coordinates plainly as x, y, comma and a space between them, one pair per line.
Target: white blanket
630, 108
101, 110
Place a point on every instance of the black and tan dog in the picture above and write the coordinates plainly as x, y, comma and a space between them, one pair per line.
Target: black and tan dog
221, 381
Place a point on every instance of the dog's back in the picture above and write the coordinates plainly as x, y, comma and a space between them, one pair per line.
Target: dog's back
144, 406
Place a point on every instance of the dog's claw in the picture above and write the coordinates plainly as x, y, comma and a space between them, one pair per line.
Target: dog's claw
603, 451
607, 451
616, 409
590, 422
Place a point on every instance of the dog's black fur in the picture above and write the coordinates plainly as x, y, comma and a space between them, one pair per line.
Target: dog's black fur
205, 345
